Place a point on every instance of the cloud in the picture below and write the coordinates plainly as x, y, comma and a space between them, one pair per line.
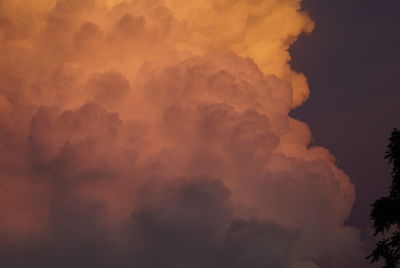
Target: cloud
139, 133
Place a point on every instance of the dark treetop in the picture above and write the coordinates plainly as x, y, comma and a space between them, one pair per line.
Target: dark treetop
386, 211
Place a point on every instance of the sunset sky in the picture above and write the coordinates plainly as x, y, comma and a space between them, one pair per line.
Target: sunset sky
352, 63
176, 133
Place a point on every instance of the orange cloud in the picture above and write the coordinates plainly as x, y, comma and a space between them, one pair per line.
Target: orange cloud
159, 131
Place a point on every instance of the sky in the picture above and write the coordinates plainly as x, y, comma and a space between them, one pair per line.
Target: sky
351, 60
216, 133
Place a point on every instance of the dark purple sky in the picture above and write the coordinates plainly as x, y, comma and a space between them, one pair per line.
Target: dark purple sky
352, 61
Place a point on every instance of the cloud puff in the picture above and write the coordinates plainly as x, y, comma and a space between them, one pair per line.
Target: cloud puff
139, 133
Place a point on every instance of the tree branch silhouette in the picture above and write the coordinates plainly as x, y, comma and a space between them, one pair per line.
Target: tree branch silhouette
385, 212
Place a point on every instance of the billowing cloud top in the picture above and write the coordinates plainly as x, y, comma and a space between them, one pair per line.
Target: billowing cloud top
154, 133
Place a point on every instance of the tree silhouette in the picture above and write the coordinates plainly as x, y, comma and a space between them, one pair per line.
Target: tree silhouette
386, 211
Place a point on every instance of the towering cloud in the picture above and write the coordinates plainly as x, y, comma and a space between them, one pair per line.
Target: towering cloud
156, 133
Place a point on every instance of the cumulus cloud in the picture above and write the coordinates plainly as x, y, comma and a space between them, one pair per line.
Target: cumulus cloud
157, 133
